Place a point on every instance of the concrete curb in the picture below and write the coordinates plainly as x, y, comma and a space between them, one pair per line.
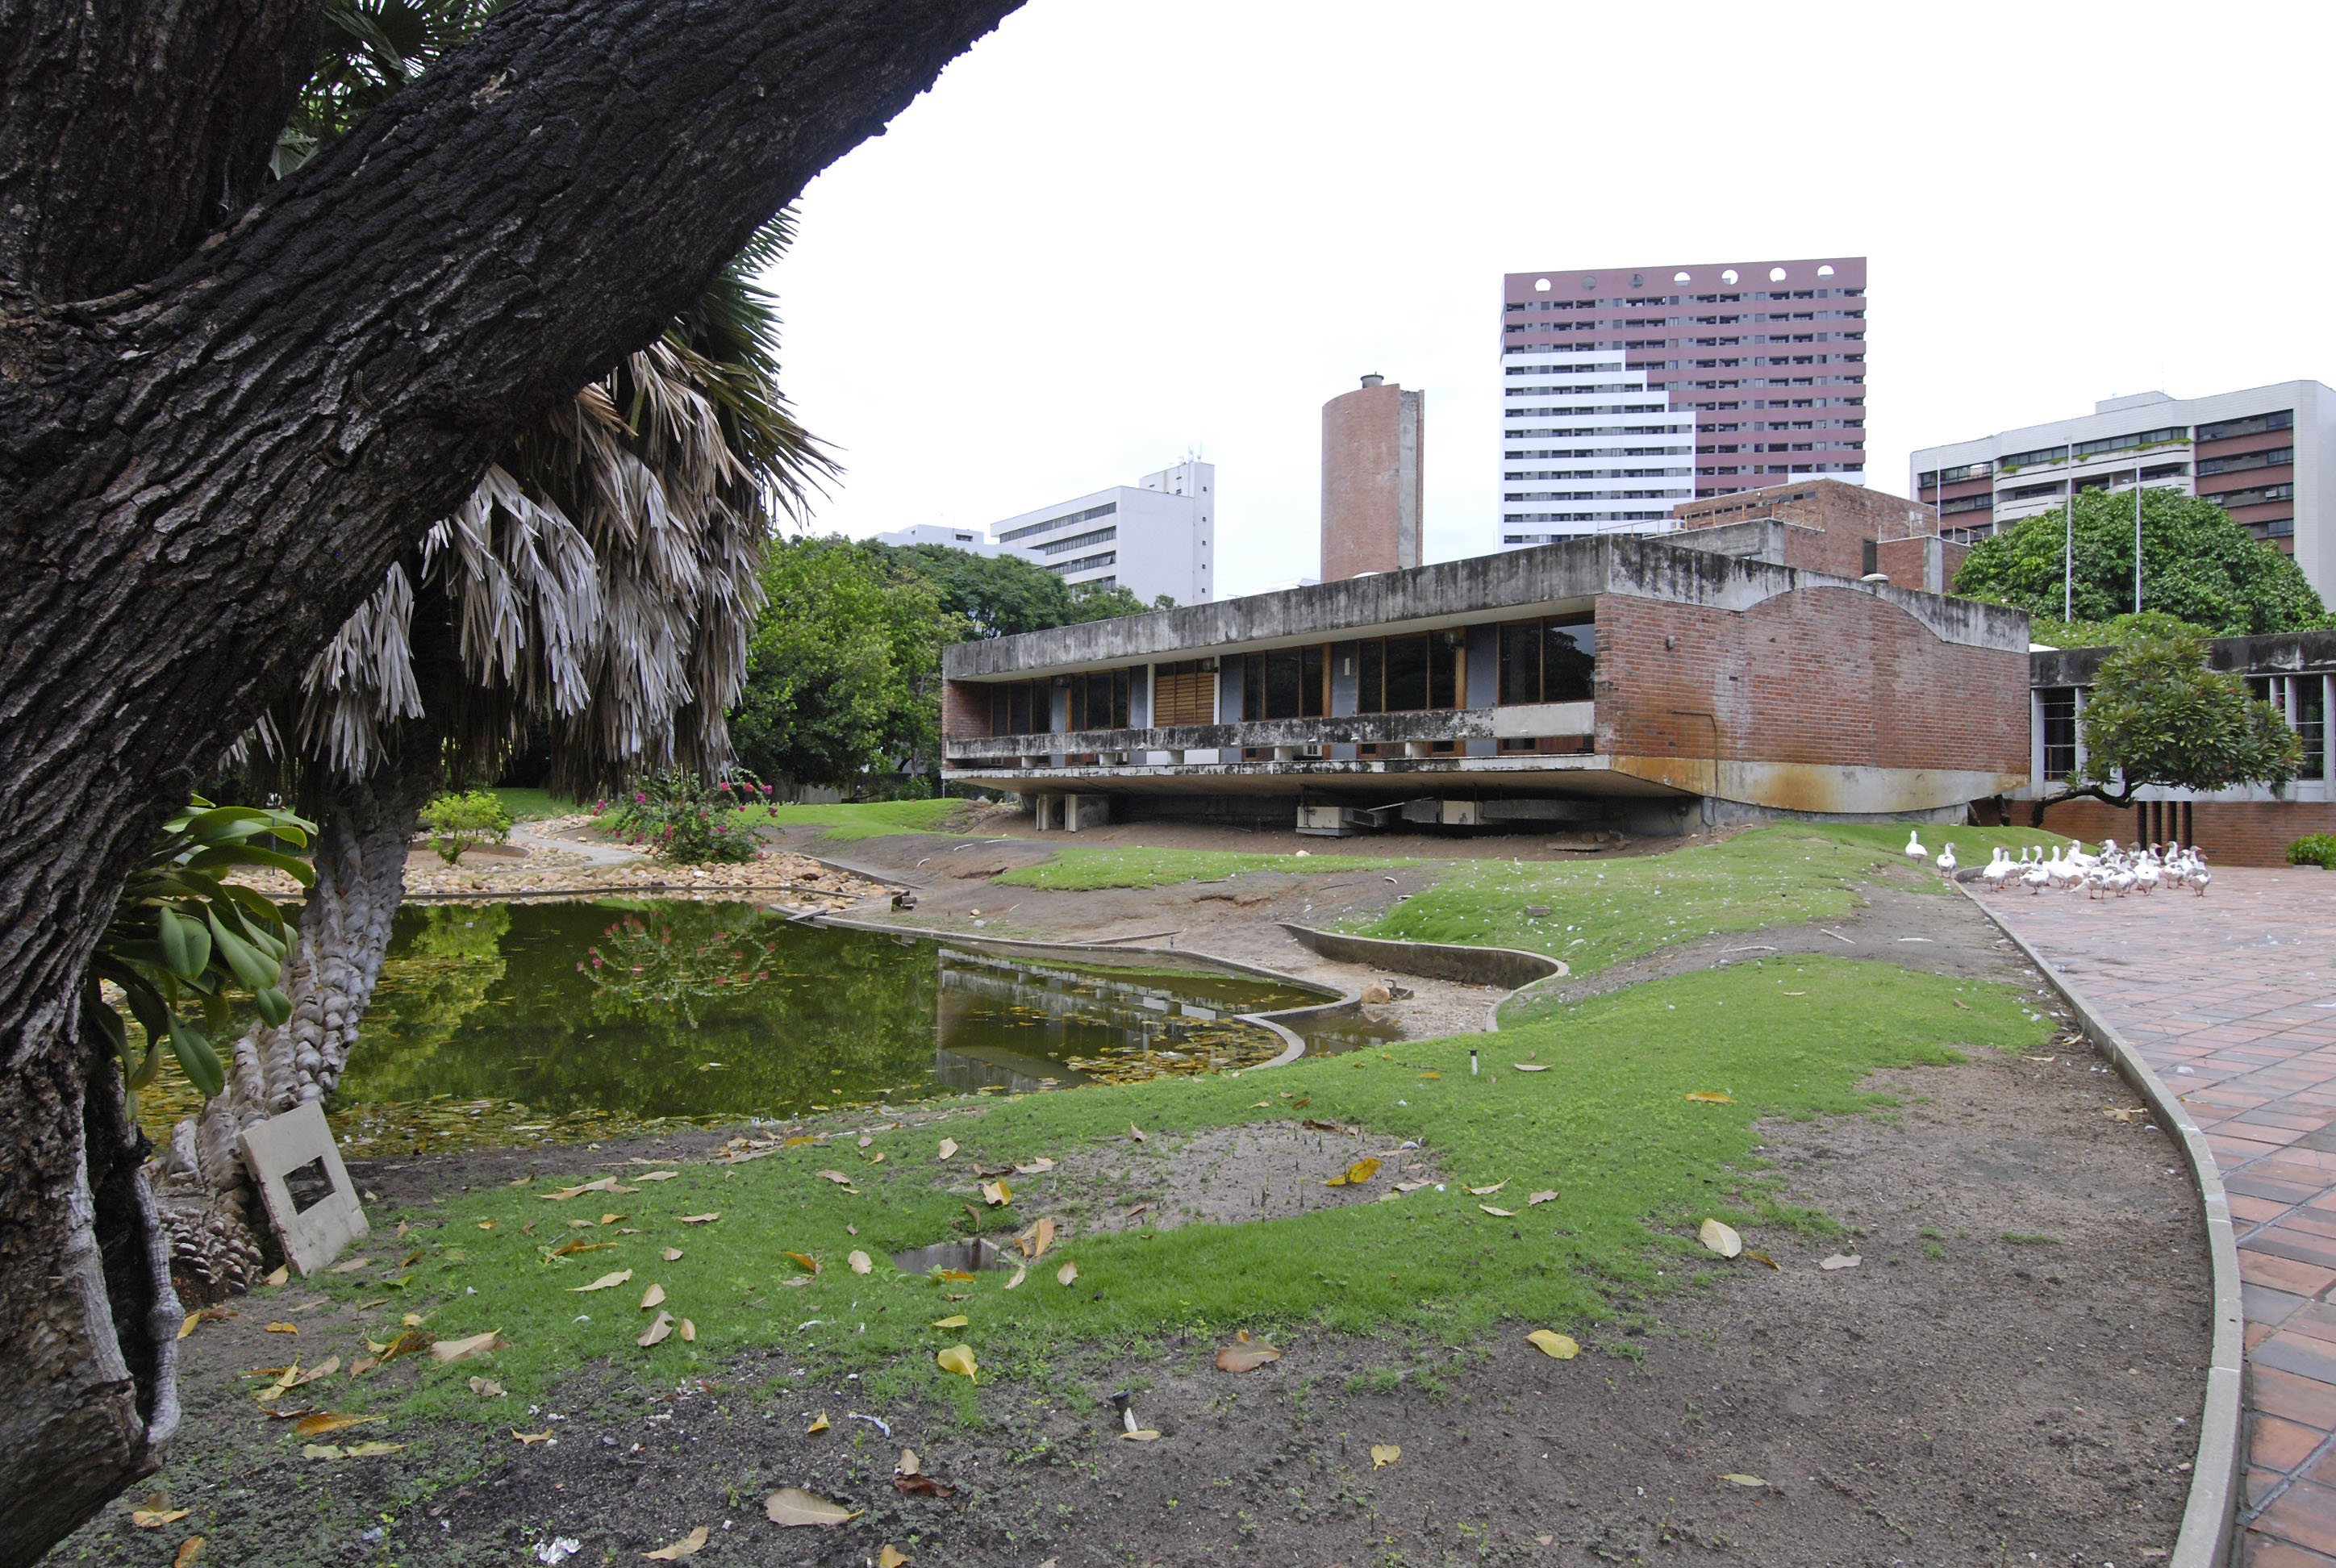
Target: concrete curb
1293, 1046
2206, 1520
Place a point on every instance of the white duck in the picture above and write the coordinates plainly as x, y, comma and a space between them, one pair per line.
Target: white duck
1946, 861
2063, 873
2146, 873
2036, 877
1998, 869
1914, 850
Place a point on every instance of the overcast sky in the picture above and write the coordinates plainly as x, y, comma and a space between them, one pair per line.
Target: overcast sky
1114, 233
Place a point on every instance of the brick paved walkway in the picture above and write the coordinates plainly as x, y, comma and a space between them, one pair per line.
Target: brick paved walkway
2232, 999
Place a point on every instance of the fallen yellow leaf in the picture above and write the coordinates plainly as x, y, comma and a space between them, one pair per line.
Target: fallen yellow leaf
1744, 1480
543, 1436
819, 1423
1529, 1067
605, 1282
1711, 1099
1428, 1076
670, 1255
1066, 1273
282, 1272
686, 1546
1036, 1167
188, 1550
1498, 1213
688, 1332
793, 1506
1544, 1197
958, 1321
324, 1421
1384, 1455
838, 1177
656, 1331
1486, 1192
861, 1261
807, 1264
367, 1450
1034, 1241
319, 1451
908, 1464
1554, 1344
652, 1297
958, 1359
1018, 1272
449, 1350
997, 1194
1144, 1437
283, 1328
1135, 1131
486, 1389
1362, 1171
890, 1557
701, 1219
1720, 1238
657, 1175
157, 1513
1245, 1357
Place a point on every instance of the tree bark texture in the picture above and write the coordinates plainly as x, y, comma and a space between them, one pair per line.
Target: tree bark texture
208, 1201
206, 467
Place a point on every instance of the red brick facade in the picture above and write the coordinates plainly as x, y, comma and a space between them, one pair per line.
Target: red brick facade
1820, 675
1828, 526
965, 709
2231, 832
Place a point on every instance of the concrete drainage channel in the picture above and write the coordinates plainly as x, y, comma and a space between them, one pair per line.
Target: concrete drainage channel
1292, 1046
2207, 1519
1512, 972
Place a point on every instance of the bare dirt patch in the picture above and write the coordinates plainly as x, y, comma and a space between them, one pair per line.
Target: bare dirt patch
1225, 1175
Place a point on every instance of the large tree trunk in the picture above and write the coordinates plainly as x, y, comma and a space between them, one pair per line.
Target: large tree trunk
206, 1193
206, 470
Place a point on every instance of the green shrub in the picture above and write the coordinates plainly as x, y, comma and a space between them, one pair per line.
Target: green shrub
464, 821
2313, 850
684, 819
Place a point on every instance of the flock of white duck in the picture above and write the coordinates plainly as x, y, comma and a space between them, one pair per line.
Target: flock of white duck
2115, 871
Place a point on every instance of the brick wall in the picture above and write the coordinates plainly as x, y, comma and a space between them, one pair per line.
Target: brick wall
1822, 675
2231, 832
965, 709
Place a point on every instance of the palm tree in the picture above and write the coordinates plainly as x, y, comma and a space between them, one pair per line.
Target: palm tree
597, 587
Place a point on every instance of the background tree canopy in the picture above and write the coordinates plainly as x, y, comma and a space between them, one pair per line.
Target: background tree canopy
843, 667
1001, 595
2197, 565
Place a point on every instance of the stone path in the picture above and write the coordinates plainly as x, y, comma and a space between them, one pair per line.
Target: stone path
2232, 999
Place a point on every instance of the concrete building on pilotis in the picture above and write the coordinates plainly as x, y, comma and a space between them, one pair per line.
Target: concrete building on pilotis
1628, 391
1371, 489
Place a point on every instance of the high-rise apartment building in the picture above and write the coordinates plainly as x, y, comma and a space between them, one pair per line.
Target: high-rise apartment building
1627, 392
2263, 456
1153, 537
1372, 492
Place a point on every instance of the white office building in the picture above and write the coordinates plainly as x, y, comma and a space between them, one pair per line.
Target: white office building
2263, 455
1157, 536
970, 539
1588, 447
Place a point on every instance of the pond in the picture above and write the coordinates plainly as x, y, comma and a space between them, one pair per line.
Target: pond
535, 1022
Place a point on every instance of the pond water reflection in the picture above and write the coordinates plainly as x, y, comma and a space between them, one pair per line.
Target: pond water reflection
701, 1011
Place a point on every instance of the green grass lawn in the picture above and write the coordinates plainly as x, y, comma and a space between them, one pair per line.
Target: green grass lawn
528, 805
1635, 1163
869, 820
1082, 869
1606, 911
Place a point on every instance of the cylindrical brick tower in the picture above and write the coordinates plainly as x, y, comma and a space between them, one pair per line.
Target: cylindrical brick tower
1371, 444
